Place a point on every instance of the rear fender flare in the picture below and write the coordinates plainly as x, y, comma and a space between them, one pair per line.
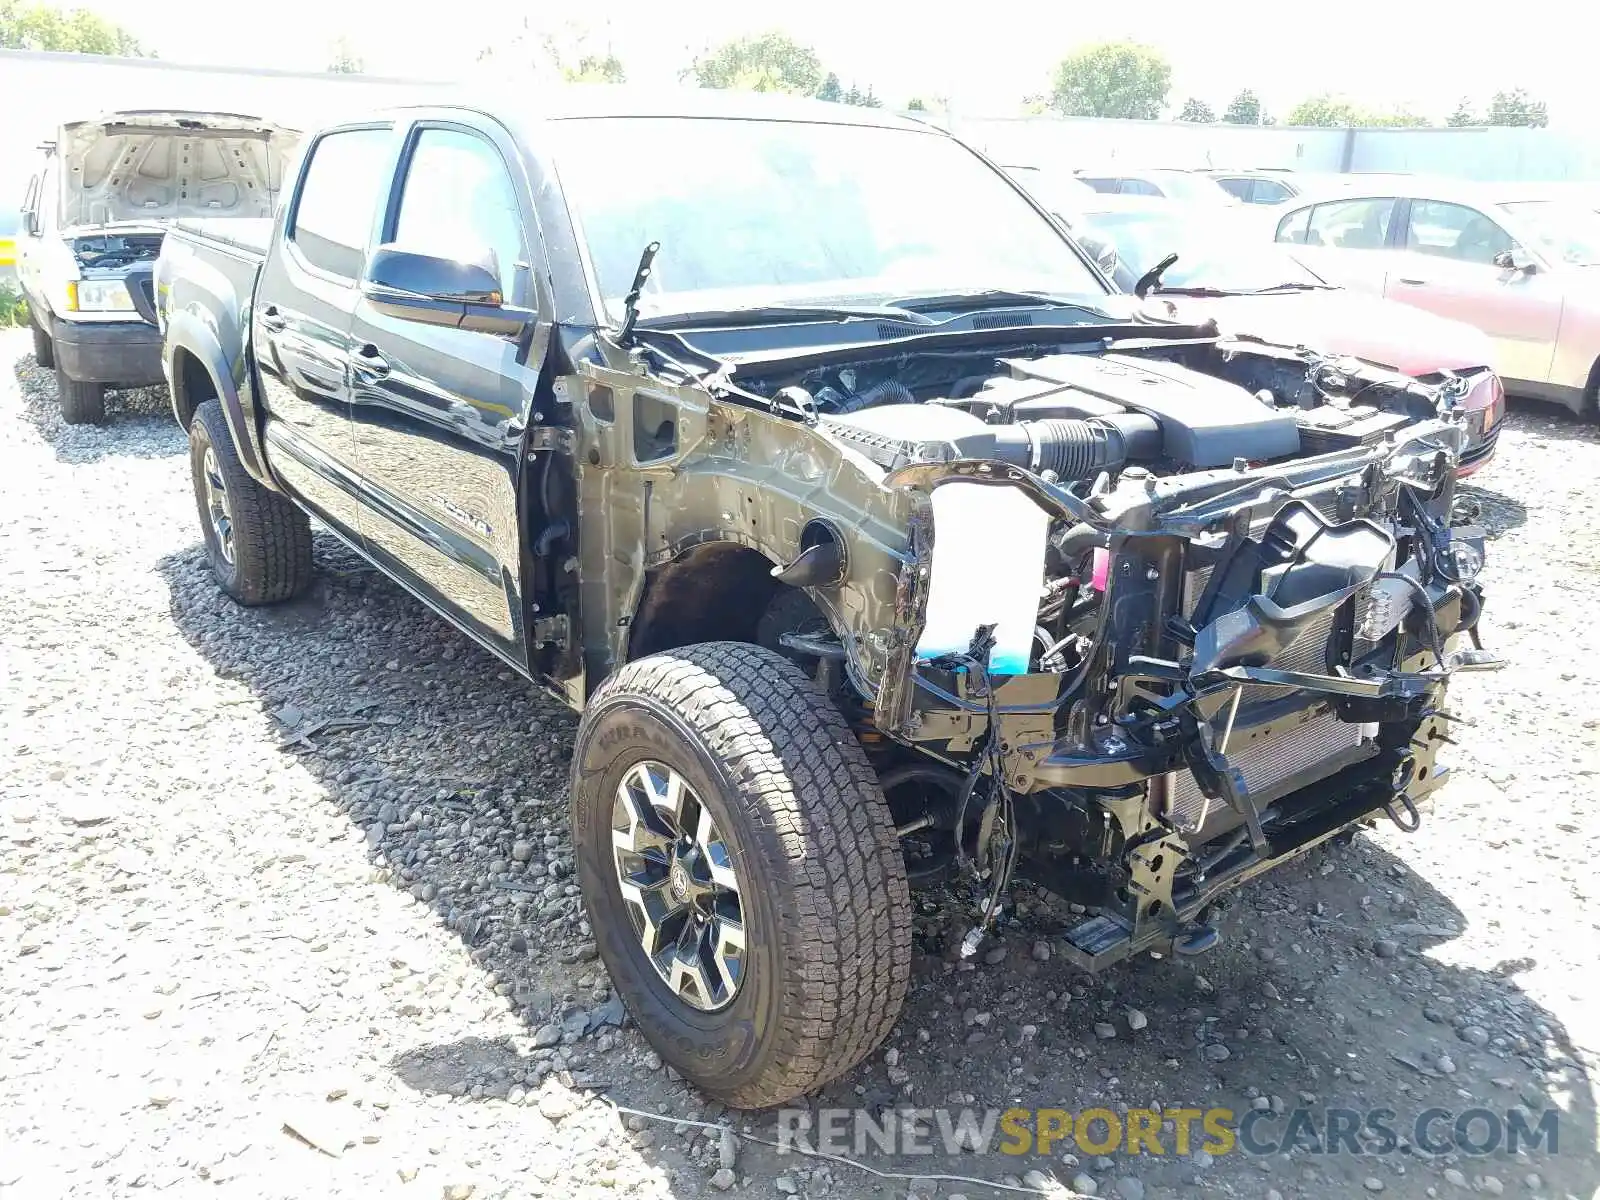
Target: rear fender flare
188, 336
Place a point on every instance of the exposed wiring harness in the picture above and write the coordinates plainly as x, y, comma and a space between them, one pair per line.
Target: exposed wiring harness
976, 661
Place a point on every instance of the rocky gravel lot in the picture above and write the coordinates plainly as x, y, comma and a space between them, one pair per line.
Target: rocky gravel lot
286, 904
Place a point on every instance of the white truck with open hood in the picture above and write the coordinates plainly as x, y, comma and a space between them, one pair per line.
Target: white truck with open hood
94, 216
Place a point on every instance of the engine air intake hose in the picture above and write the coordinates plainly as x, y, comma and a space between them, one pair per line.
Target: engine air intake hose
1075, 449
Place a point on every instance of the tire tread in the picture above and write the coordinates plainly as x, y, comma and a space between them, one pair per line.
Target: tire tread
271, 536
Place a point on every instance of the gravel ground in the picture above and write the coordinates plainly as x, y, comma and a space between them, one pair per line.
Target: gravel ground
285, 901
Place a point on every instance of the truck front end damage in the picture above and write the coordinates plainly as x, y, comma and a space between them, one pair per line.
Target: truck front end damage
1243, 588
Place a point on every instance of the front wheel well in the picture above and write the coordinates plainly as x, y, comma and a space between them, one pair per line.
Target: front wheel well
1591, 392
192, 385
715, 592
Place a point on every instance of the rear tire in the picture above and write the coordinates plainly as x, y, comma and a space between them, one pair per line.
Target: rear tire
44, 350
81, 403
257, 542
820, 899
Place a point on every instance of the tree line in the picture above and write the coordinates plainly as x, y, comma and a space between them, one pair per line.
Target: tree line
1121, 79
1134, 81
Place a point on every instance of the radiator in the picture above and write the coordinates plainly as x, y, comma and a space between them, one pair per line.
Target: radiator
1322, 738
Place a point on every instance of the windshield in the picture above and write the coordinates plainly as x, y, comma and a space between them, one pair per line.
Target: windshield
756, 213
1208, 257
1562, 230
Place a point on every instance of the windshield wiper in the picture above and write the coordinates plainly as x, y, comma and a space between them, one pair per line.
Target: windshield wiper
1151, 279
774, 314
993, 298
1294, 285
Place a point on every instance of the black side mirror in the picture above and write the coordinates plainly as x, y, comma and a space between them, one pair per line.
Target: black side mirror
1506, 260
457, 293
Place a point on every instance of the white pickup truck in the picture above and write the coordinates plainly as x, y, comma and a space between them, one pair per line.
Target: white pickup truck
93, 218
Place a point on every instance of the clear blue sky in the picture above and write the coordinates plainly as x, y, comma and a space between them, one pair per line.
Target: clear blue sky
1425, 55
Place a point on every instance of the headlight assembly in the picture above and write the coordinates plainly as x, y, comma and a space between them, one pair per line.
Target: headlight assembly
99, 295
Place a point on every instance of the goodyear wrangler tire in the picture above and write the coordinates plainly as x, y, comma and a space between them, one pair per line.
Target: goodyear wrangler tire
740, 870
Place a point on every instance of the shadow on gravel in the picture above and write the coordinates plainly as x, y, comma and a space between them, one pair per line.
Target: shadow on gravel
1325, 992
138, 422
1500, 513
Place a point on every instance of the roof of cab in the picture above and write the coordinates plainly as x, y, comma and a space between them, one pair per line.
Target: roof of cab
589, 100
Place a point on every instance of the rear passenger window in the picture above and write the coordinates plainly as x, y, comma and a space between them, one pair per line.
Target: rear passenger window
1237, 187
333, 216
1139, 187
1350, 224
1268, 191
1098, 183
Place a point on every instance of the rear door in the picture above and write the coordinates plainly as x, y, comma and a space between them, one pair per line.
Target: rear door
1344, 241
300, 327
1445, 264
439, 411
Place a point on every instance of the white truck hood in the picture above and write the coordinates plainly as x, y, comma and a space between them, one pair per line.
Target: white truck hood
151, 167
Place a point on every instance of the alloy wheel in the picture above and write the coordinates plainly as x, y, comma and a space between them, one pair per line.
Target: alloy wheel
219, 510
678, 883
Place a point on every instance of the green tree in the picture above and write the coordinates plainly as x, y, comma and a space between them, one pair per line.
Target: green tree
768, 62
1323, 111
1198, 111
1465, 115
831, 89
1395, 118
916, 104
568, 52
1243, 109
1517, 108
1112, 79
343, 60
77, 30
596, 68
862, 98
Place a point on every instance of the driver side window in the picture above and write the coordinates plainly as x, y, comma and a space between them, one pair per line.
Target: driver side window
457, 199
1455, 231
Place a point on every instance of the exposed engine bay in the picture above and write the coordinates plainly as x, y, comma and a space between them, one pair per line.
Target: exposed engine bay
1253, 590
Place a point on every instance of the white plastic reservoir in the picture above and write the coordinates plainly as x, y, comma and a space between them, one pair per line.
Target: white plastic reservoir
988, 568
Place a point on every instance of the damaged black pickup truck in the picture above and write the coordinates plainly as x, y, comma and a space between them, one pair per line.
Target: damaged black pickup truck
874, 534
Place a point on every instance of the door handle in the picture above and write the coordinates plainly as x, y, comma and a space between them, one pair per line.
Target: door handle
369, 362
273, 320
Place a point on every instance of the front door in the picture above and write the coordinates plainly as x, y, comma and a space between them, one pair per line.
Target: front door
439, 412
1445, 264
300, 328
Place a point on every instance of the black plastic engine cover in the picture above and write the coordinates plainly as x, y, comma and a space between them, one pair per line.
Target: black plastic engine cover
1205, 421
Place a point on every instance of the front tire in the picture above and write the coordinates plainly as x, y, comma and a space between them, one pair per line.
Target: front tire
257, 542
800, 858
81, 403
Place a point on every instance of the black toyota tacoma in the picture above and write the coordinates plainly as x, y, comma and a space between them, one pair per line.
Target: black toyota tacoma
876, 536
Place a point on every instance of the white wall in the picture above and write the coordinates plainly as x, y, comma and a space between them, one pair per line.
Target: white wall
1531, 155
1075, 142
